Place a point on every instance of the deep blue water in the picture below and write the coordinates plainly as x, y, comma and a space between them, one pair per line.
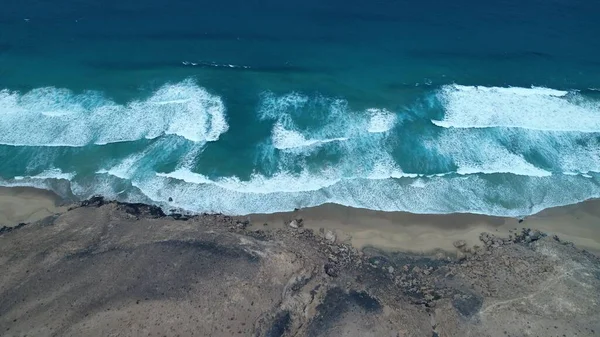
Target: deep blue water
260, 106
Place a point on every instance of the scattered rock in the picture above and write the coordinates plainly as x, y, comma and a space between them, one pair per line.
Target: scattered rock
330, 236
293, 224
390, 269
331, 270
459, 244
170, 199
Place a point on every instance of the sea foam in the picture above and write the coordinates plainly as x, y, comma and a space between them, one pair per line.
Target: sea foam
381, 120
52, 173
58, 117
432, 194
329, 120
528, 108
284, 139
474, 151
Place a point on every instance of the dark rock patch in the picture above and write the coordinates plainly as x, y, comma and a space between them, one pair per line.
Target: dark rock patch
212, 248
95, 201
281, 324
7, 229
335, 304
467, 304
179, 216
331, 270
138, 209
365, 301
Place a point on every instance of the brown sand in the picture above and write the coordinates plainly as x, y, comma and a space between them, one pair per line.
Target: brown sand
24, 204
392, 231
421, 233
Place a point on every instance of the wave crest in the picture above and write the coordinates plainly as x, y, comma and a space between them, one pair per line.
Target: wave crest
58, 117
529, 108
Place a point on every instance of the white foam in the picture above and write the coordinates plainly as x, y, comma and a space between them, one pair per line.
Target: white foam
525, 195
52, 173
561, 152
124, 169
259, 184
381, 120
273, 107
529, 108
330, 120
214, 64
285, 139
474, 153
58, 117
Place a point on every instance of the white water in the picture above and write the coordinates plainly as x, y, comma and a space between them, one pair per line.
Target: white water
59, 117
528, 108
363, 172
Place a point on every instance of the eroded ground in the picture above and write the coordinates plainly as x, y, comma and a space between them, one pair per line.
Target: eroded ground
108, 269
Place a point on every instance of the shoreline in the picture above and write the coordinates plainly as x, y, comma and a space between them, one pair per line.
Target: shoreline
105, 268
389, 231
423, 233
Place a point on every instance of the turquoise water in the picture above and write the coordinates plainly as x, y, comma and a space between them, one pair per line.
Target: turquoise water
265, 106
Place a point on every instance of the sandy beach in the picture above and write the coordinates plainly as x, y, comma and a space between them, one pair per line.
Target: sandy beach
26, 204
423, 233
391, 231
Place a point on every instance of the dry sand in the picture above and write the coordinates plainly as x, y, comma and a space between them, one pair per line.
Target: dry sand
423, 233
25, 204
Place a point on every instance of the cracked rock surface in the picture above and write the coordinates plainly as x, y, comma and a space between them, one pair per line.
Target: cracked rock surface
114, 269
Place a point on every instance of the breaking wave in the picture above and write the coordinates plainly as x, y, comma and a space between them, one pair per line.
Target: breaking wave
528, 108
498, 151
58, 117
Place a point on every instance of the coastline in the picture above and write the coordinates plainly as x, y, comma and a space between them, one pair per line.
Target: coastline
423, 233
389, 231
105, 268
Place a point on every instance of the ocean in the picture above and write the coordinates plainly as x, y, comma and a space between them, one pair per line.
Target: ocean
245, 106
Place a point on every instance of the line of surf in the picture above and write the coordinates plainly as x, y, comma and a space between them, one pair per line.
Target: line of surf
529, 108
58, 117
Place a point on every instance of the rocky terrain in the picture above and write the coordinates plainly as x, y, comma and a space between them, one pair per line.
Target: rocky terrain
114, 269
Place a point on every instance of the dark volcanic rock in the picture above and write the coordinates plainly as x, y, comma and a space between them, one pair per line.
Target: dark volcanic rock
6, 229
281, 324
138, 209
331, 270
96, 201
